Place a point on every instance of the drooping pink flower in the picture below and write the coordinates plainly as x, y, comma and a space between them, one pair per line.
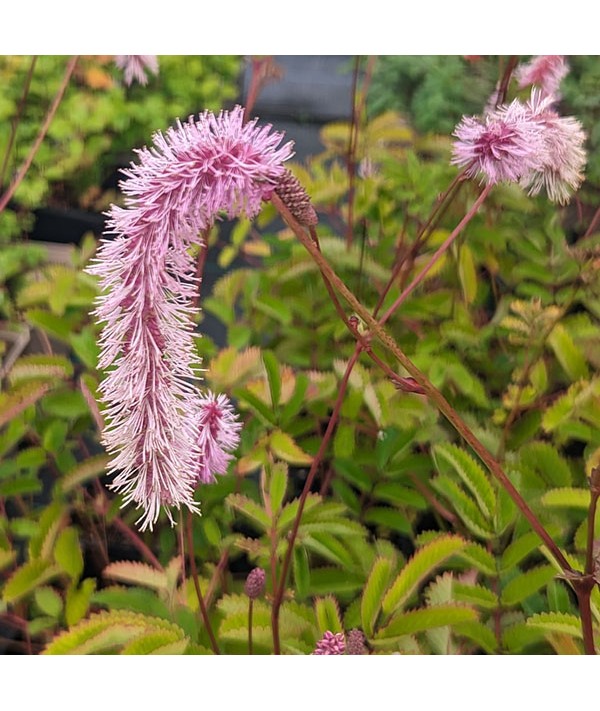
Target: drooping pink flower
181, 185
331, 643
562, 163
219, 435
503, 146
545, 71
134, 67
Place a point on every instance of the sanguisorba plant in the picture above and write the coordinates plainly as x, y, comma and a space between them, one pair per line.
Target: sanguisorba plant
167, 437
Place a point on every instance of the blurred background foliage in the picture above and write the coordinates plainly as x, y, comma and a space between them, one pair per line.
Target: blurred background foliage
405, 535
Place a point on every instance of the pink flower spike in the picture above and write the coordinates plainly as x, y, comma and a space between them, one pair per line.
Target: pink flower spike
134, 67
503, 146
561, 170
181, 185
219, 435
546, 72
331, 643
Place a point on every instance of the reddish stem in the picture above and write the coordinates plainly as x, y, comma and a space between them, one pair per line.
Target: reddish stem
10, 191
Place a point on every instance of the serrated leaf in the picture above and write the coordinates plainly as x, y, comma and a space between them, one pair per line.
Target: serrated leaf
48, 601
467, 274
6, 558
421, 565
475, 595
518, 637
137, 574
27, 577
388, 517
330, 548
526, 584
284, 447
471, 474
373, 592
335, 581
567, 497
20, 398
108, 631
249, 508
50, 523
567, 353
273, 376
519, 549
117, 597
556, 622
301, 571
478, 633
543, 458
78, 601
40, 368
465, 506
261, 409
67, 553
344, 441
290, 511
161, 642
277, 486
407, 623
86, 471
328, 615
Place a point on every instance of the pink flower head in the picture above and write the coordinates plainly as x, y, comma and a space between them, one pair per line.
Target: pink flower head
504, 145
134, 67
180, 186
331, 643
546, 72
563, 161
219, 435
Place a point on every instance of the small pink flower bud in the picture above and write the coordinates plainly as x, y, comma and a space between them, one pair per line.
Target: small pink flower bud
331, 644
255, 583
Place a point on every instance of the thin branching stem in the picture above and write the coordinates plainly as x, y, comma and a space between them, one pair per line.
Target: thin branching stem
10, 191
194, 572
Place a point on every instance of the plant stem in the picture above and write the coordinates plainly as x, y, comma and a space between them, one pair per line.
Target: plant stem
194, 571
278, 596
250, 606
439, 400
17, 119
589, 556
437, 254
10, 191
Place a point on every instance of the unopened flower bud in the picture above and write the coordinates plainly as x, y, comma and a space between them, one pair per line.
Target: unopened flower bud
331, 643
255, 583
356, 643
296, 199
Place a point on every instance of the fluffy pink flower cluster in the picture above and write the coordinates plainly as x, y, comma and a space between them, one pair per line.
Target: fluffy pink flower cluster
527, 143
164, 435
134, 67
546, 72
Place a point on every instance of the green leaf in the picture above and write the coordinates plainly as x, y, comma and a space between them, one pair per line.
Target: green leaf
344, 442
28, 577
328, 615
137, 574
474, 595
20, 398
421, 565
353, 472
471, 474
78, 601
162, 642
86, 471
330, 548
274, 308
284, 447
108, 631
372, 597
567, 498
55, 435
543, 458
467, 274
526, 584
420, 620
333, 580
567, 353
249, 508
519, 549
40, 367
260, 408
277, 486
67, 553
389, 518
85, 345
48, 601
478, 633
273, 376
556, 622
293, 406
301, 571
465, 506
135, 599
59, 326
69, 404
